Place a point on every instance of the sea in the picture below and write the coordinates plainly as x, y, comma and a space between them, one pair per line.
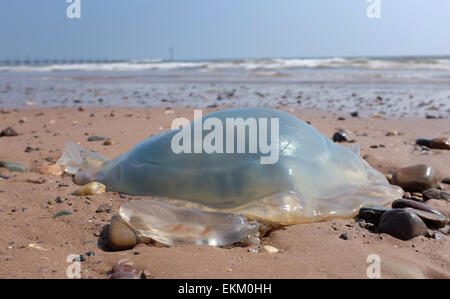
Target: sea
390, 86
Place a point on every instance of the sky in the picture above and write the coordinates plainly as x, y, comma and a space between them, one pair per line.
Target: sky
222, 29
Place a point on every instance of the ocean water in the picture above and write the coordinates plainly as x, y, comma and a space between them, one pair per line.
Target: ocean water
395, 87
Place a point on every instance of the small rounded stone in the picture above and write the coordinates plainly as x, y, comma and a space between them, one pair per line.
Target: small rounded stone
91, 189
104, 208
423, 142
8, 132
96, 138
108, 142
271, 249
13, 166
340, 136
432, 220
415, 178
405, 203
435, 193
392, 133
440, 143
402, 224
120, 236
372, 214
54, 169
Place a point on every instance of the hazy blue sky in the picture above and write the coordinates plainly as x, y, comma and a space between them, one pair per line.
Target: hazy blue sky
210, 29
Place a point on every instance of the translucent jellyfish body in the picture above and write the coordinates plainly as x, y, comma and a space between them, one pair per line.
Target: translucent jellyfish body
312, 179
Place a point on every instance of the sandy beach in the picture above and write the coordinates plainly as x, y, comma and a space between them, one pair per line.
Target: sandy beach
35, 245
221, 144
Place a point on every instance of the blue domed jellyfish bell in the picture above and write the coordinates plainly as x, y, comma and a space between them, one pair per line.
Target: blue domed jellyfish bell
224, 198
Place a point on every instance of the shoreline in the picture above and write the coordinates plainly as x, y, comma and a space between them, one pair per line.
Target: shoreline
390, 93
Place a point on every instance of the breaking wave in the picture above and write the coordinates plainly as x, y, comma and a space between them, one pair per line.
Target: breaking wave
248, 65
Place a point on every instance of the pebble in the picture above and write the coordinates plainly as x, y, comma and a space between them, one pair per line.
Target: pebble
406, 203
446, 180
13, 166
38, 181
62, 213
54, 169
8, 132
96, 138
417, 194
120, 236
423, 142
271, 249
30, 149
372, 214
415, 178
104, 208
416, 198
440, 143
90, 253
108, 142
253, 250
436, 143
60, 199
392, 133
438, 235
431, 216
444, 231
402, 224
340, 136
435, 193
432, 220
91, 189
343, 236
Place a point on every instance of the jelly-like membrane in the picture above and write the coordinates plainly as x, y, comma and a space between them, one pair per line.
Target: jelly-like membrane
205, 197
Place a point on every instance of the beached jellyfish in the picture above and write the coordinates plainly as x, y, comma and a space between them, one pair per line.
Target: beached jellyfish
245, 184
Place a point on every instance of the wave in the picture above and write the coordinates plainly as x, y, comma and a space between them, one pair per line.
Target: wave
249, 65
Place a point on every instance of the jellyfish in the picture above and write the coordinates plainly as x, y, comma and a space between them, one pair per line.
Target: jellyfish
227, 189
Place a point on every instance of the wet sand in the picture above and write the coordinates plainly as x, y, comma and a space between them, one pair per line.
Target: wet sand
34, 245
388, 93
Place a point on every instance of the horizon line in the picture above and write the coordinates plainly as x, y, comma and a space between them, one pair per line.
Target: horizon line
34, 61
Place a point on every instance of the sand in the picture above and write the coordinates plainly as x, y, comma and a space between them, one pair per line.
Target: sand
34, 245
